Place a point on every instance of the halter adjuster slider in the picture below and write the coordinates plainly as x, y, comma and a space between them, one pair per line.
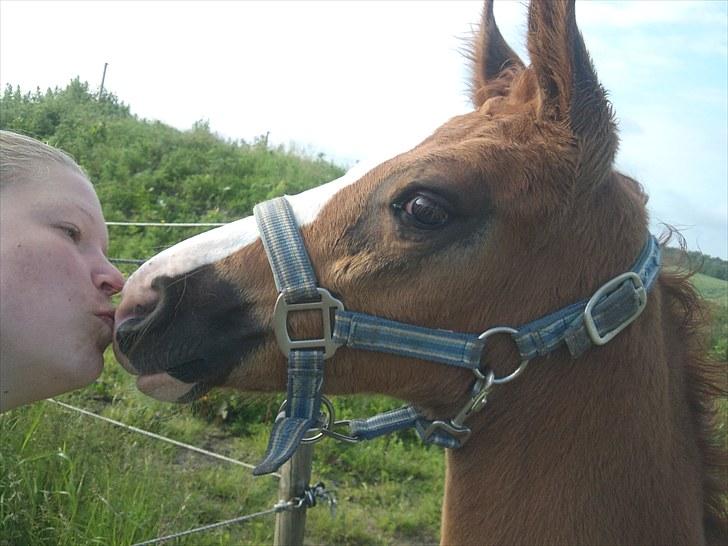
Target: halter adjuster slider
610, 286
280, 323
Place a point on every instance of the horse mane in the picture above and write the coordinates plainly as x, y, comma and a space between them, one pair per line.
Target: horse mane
706, 383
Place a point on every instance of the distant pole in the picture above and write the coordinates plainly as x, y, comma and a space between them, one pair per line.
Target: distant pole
295, 475
103, 78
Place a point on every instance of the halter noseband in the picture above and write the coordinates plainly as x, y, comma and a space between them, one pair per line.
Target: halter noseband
586, 323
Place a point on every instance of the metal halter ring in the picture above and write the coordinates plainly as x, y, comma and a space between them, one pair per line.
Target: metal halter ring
317, 433
518, 371
326, 428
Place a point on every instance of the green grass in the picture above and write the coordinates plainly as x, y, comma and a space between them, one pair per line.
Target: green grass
712, 289
715, 291
67, 479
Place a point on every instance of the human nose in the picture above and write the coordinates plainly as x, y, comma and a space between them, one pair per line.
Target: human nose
108, 279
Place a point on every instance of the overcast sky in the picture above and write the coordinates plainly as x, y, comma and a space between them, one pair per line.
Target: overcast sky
360, 80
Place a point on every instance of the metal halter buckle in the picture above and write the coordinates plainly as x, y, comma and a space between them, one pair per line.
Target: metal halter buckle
610, 286
280, 323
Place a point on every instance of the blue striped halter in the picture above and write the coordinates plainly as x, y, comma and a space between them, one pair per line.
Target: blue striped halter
580, 326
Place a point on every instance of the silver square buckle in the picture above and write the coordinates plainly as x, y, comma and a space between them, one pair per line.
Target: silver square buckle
610, 286
280, 323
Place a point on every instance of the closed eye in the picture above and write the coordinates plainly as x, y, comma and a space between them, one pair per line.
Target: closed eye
71, 231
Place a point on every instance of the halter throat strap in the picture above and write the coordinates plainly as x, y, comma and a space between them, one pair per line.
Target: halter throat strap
593, 321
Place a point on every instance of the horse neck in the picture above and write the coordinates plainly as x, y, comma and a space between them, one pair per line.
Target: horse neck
598, 450
601, 449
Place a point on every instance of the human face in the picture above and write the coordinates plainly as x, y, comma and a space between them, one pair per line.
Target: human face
56, 316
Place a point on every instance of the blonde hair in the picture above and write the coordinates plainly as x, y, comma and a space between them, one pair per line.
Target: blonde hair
25, 157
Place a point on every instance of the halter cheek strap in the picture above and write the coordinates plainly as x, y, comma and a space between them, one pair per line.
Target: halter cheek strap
296, 284
579, 326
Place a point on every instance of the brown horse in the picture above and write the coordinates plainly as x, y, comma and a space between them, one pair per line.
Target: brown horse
502, 216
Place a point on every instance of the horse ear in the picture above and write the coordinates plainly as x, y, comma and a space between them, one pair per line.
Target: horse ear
492, 60
569, 86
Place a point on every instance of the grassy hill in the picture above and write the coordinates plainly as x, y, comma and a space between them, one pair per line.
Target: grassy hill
715, 290
146, 171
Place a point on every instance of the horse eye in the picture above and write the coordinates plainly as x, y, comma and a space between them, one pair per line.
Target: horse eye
425, 212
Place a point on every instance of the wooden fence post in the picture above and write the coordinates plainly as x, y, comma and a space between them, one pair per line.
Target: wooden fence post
295, 476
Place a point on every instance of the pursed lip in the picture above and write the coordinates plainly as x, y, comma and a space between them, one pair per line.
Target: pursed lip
107, 316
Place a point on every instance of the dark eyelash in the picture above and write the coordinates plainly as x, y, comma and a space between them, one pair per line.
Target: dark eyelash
72, 231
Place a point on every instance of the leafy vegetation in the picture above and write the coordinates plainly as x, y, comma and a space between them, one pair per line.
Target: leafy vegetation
67, 480
695, 261
149, 172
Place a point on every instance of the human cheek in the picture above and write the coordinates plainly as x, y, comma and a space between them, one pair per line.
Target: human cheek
30, 274
42, 312
52, 285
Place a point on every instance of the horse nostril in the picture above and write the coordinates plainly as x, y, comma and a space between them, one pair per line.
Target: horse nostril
141, 310
135, 306
127, 333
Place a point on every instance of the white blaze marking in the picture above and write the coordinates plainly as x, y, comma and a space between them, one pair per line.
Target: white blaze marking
214, 245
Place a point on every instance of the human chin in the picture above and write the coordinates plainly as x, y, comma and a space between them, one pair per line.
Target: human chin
89, 361
104, 335
88, 368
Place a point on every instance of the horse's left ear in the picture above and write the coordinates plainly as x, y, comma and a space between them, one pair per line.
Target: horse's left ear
570, 90
494, 63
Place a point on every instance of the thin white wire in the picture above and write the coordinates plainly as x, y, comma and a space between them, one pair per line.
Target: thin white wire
158, 224
166, 224
280, 507
158, 437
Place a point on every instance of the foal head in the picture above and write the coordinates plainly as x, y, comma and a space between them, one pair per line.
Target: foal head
500, 216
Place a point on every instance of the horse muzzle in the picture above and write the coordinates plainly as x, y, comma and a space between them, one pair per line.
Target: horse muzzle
183, 335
